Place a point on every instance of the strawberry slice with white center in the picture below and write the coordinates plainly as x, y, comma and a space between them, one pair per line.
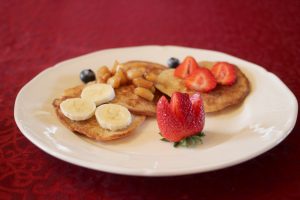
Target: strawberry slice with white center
224, 73
201, 80
186, 67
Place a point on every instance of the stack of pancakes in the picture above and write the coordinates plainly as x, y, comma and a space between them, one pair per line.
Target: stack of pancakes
216, 100
124, 95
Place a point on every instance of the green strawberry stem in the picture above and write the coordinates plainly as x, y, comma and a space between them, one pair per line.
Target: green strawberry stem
188, 141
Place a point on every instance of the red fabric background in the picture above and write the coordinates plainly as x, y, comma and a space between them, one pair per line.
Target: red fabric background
35, 35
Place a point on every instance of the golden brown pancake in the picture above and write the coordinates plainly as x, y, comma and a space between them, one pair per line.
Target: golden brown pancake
124, 96
149, 66
92, 129
218, 99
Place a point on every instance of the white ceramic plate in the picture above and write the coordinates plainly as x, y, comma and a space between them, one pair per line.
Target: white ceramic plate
265, 118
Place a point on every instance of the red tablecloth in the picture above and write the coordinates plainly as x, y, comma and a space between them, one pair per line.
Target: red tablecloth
35, 35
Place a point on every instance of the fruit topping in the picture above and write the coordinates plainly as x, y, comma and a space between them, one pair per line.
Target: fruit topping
113, 116
98, 93
224, 73
186, 67
103, 74
173, 62
144, 93
77, 109
87, 75
201, 80
182, 118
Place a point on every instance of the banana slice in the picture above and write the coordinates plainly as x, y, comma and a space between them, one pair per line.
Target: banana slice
78, 109
113, 116
99, 93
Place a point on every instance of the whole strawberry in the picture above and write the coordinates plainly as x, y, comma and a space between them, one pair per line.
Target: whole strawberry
182, 118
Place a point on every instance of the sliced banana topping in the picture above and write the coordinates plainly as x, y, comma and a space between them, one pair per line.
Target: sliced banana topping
113, 116
99, 93
78, 109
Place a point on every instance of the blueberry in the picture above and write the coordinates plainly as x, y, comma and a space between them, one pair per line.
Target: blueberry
173, 62
87, 75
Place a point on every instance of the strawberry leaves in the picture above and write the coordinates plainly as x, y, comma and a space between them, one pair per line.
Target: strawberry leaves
188, 141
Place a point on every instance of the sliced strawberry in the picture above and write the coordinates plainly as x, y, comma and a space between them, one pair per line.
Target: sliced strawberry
187, 67
181, 118
201, 80
224, 73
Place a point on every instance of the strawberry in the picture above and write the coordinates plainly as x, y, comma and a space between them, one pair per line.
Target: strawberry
187, 67
201, 80
182, 117
224, 73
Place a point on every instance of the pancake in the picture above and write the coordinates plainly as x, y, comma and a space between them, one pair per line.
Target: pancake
125, 94
216, 100
139, 107
90, 127
149, 66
